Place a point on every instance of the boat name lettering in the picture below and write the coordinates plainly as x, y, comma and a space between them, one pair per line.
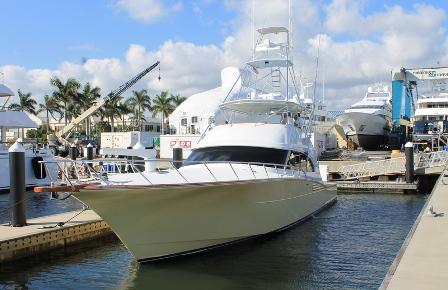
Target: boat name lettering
182, 144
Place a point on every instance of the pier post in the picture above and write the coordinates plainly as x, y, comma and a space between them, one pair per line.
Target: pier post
89, 152
73, 152
17, 197
409, 155
177, 156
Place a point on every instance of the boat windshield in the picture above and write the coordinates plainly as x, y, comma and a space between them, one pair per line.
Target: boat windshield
367, 107
239, 154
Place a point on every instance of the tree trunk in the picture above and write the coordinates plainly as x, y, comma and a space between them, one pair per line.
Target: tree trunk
87, 127
163, 121
48, 123
112, 124
65, 113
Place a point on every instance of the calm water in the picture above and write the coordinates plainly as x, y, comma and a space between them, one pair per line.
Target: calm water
348, 246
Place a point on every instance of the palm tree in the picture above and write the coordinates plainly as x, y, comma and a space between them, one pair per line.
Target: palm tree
26, 104
162, 104
50, 106
141, 102
177, 100
88, 96
67, 93
111, 109
125, 109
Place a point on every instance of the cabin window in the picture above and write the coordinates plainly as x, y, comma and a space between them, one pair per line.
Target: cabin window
151, 128
239, 154
194, 119
301, 161
183, 121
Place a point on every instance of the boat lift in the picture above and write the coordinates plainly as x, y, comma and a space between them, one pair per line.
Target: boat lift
404, 84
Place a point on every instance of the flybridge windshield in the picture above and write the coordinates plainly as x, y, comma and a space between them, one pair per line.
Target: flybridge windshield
367, 107
239, 154
377, 95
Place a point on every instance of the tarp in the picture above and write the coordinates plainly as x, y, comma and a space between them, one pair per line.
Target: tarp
5, 91
16, 119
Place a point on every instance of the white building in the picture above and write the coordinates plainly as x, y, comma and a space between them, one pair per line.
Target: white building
194, 114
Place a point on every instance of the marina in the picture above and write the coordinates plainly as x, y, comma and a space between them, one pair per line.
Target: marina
259, 152
314, 254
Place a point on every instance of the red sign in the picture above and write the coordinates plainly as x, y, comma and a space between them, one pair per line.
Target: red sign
182, 144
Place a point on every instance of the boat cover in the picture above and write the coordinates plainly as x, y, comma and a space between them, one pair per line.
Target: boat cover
5, 91
16, 119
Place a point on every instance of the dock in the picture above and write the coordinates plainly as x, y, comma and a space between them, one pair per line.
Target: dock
376, 186
43, 234
422, 262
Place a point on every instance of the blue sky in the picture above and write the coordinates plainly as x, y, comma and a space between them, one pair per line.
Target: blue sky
362, 40
45, 33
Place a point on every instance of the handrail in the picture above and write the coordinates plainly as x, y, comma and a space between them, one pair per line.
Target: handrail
90, 172
393, 165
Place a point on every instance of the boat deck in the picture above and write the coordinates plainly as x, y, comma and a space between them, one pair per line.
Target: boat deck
422, 262
41, 234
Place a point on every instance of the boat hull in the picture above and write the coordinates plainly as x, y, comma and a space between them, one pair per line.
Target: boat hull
164, 221
371, 132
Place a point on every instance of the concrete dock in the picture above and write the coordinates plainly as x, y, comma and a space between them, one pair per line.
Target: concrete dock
422, 262
42, 234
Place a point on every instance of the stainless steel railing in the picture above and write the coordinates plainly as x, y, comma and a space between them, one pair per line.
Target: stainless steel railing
393, 165
82, 171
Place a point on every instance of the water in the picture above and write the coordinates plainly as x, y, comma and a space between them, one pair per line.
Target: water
348, 246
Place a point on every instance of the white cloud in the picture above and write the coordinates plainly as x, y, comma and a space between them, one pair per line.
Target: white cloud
147, 10
356, 50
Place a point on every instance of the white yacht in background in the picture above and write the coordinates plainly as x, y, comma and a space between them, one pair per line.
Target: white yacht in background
253, 172
367, 123
431, 114
35, 174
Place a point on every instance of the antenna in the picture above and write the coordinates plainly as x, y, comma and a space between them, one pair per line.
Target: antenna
311, 118
323, 88
253, 29
289, 20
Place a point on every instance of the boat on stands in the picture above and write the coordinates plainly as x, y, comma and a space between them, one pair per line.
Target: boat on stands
35, 174
368, 122
253, 172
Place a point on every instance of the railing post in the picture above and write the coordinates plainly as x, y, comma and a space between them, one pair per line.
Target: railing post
17, 183
177, 157
89, 152
409, 153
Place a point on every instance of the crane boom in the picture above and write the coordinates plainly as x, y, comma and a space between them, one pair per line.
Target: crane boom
66, 131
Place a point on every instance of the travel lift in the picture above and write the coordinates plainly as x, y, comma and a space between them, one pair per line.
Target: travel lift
62, 136
404, 84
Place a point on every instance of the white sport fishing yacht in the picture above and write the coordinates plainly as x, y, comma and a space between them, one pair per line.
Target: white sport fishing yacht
35, 174
253, 172
368, 122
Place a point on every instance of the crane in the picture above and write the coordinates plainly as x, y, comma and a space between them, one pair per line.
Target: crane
65, 132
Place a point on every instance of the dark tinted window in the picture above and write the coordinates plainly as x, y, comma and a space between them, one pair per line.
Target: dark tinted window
239, 154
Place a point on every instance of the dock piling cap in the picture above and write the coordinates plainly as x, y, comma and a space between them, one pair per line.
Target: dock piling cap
17, 146
138, 146
409, 144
